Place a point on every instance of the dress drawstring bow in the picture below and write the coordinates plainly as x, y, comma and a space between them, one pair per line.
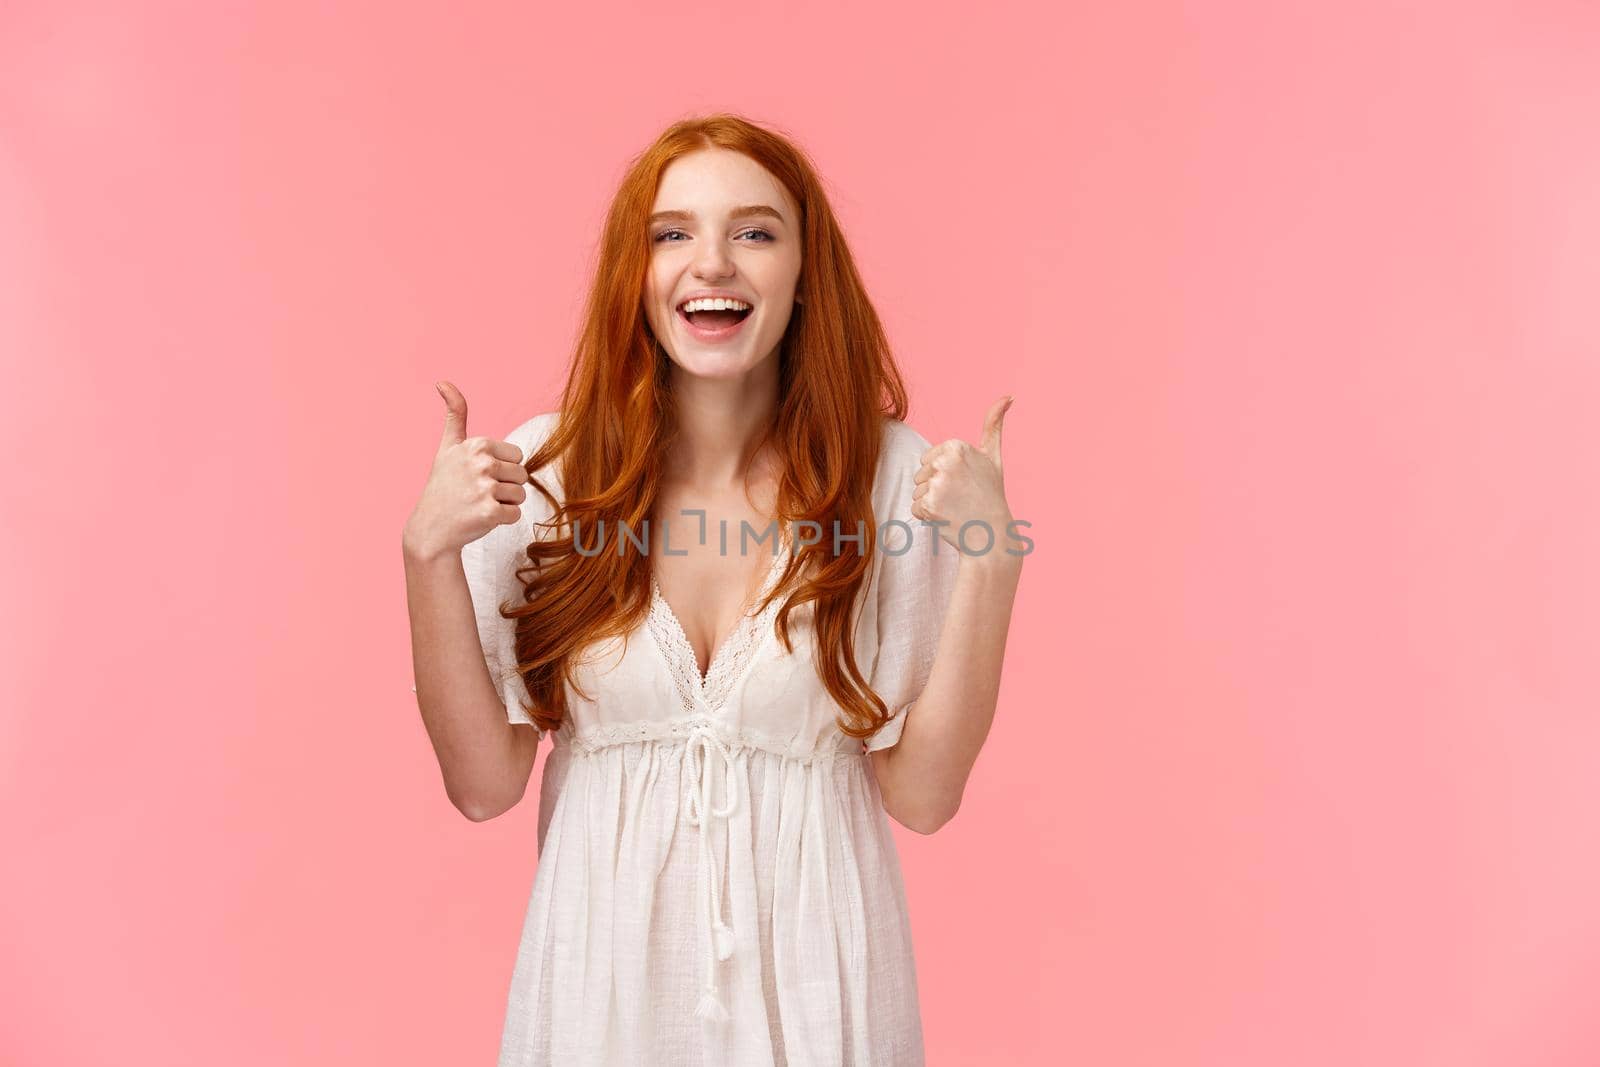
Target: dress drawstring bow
703, 742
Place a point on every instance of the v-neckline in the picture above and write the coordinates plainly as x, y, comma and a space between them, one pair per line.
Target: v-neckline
718, 652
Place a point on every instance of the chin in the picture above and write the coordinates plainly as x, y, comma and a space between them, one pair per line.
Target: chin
713, 364
715, 361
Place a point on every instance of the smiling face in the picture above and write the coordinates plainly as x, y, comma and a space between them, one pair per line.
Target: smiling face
722, 227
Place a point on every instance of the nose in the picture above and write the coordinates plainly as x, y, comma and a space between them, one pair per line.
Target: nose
712, 261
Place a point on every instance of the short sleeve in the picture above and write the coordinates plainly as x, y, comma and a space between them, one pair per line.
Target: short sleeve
915, 576
491, 563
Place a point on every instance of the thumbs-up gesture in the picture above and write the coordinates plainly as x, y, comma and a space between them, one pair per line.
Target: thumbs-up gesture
960, 483
476, 484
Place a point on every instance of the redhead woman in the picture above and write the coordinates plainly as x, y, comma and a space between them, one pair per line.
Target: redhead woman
756, 612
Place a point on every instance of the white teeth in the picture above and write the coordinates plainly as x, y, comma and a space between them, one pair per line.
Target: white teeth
715, 304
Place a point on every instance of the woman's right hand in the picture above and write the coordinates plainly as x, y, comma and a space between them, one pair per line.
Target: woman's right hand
476, 484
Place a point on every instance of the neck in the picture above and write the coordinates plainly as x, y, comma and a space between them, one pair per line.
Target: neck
720, 421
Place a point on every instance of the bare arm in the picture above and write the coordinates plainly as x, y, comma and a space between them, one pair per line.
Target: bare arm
456, 547
923, 776
486, 761
924, 773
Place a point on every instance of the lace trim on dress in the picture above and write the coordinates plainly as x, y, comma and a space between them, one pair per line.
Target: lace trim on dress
728, 663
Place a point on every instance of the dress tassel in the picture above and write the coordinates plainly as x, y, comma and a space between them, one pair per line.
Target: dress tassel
724, 939
711, 1008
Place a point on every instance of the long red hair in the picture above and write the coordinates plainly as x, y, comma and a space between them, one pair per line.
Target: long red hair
837, 382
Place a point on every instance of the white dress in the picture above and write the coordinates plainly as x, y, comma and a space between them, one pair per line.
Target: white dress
717, 883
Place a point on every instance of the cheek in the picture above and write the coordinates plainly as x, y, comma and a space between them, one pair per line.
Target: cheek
652, 297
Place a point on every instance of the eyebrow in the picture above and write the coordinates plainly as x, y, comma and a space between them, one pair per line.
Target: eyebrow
748, 211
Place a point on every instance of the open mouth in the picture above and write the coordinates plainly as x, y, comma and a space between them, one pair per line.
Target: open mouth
714, 321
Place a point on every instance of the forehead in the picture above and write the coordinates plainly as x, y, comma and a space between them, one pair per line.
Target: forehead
713, 180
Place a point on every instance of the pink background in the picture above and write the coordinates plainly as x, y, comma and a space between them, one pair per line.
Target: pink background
1298, 753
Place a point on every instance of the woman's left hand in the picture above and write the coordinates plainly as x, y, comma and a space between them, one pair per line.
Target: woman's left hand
960, 483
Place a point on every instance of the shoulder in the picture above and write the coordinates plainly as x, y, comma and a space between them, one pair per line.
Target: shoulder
902, 447
534, 432
899, 459
900, 438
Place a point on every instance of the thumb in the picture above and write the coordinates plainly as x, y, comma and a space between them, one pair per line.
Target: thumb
455, 415
991, 429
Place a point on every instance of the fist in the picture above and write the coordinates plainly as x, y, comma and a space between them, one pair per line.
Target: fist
476, 484
960, 483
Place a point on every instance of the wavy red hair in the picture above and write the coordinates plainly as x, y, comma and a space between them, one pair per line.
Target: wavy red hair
837, 382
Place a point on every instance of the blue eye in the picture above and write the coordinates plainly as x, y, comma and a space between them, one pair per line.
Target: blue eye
661, 238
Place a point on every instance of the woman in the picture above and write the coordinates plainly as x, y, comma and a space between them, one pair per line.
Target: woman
731, 716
